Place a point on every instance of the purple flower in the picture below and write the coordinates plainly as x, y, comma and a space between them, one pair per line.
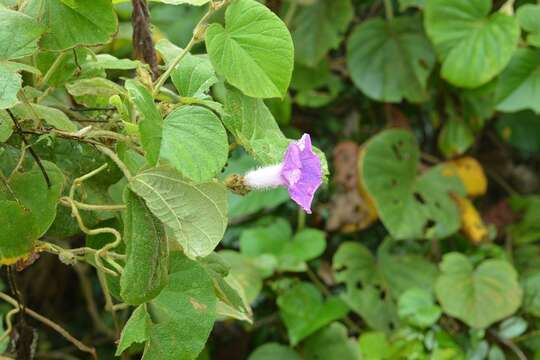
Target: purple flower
300, 172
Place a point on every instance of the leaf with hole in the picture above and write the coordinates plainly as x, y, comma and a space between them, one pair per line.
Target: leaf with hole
410, 206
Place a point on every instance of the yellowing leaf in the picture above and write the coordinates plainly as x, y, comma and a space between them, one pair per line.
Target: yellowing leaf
471, 223
470, 172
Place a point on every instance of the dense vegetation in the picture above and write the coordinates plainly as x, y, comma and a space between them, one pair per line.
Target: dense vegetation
133, 223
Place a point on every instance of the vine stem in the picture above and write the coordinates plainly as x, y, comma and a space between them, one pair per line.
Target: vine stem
389, 10
55, 65
198, 35
52, 325
105, 150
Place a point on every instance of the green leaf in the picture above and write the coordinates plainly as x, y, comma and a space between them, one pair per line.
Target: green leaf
97, 86
410, 206
150, 122
417, 307
254, 52
194, 142
183, 314
276, 240
255, 128
6, 126
473, 45
374, 345
19, 34
245, 271
367, 276
304, 312
480, 296
317, 86
318, 27
517, 88
10, 84
31, 213
272, 351
193, 76
455, 138
391, 60
51, 116
331, 342
520, 130
196, 214
135, 330
528, 16
527, 229
512, 327
90, 23
147, 253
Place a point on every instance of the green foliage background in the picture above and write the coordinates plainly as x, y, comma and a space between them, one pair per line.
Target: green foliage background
118, 226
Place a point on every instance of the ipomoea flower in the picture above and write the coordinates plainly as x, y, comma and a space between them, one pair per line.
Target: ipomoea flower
300, 172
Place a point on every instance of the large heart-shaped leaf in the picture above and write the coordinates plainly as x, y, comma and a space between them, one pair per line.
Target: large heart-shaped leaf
473, 45
194, 142
318, 27
150, 122
303, 310
518, 86
254, 51
82, 22
183, 314
28, 207
196, 214
19, 34
390, 60
147, 253
480, 296
410, 206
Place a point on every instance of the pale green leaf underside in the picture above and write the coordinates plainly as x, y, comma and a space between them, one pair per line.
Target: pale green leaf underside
19, 34
254, 52
196, 214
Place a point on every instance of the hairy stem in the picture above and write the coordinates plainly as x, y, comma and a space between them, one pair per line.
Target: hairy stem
388, 9
55, 65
